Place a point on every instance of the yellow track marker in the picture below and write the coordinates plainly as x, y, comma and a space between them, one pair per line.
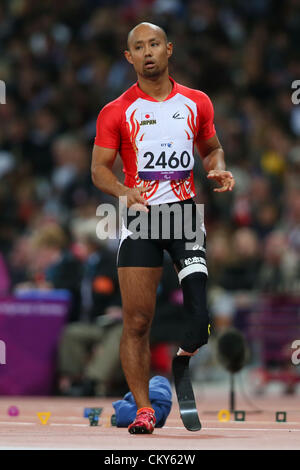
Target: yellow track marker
223, 416
44, 417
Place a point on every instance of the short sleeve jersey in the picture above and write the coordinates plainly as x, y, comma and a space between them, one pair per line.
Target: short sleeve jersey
156, 139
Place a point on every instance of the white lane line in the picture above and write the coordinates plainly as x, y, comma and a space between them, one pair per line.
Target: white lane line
48, 424
65, 424
14, 422
236, 429
165, 427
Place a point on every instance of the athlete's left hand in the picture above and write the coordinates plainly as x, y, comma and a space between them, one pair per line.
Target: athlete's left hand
224, 178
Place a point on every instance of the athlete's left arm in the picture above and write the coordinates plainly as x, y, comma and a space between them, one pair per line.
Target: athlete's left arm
214, 163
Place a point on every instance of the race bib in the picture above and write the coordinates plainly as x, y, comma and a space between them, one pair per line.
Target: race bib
165, 160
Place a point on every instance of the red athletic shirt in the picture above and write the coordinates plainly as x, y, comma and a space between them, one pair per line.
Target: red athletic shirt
156, 139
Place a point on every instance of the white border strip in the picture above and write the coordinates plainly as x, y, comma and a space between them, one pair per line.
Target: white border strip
193, 268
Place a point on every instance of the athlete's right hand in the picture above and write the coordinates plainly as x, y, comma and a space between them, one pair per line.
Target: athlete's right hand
135, 200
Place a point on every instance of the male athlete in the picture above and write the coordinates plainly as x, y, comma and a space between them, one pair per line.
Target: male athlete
154, 126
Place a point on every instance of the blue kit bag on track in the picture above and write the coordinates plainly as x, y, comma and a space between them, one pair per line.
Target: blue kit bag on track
160, 394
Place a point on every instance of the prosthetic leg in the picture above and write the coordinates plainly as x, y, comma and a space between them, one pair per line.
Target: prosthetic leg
196, 335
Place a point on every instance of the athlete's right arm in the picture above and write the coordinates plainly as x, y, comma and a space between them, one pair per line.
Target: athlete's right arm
104, 179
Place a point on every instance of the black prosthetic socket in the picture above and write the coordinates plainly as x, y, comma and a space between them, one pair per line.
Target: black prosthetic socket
194, 295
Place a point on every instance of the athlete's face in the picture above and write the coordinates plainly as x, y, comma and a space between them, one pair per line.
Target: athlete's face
148, 51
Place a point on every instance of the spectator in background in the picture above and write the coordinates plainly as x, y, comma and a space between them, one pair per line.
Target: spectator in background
99, 286
219, 254
71, 163
280, 271
64, 170
265, 219
240, 274
71, 175
52, 265
234, 285
19, 260
45, 126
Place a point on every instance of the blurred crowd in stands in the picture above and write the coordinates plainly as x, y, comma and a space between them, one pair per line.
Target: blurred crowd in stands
62, 61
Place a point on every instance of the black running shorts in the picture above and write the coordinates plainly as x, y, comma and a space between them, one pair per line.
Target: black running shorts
176, 227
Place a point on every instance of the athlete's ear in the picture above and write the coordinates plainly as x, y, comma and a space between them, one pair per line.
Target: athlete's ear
169, 49
128, 56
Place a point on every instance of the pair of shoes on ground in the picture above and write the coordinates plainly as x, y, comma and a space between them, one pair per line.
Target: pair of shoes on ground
144, 422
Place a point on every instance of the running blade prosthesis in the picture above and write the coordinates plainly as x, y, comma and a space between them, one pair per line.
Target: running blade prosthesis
185, 394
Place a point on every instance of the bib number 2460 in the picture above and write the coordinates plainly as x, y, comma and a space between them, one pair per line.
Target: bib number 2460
172, 162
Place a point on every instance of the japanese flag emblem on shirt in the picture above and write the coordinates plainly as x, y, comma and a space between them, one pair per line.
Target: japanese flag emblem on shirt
146, 116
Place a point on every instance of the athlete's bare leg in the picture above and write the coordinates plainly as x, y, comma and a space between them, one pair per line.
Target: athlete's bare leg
138, 289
